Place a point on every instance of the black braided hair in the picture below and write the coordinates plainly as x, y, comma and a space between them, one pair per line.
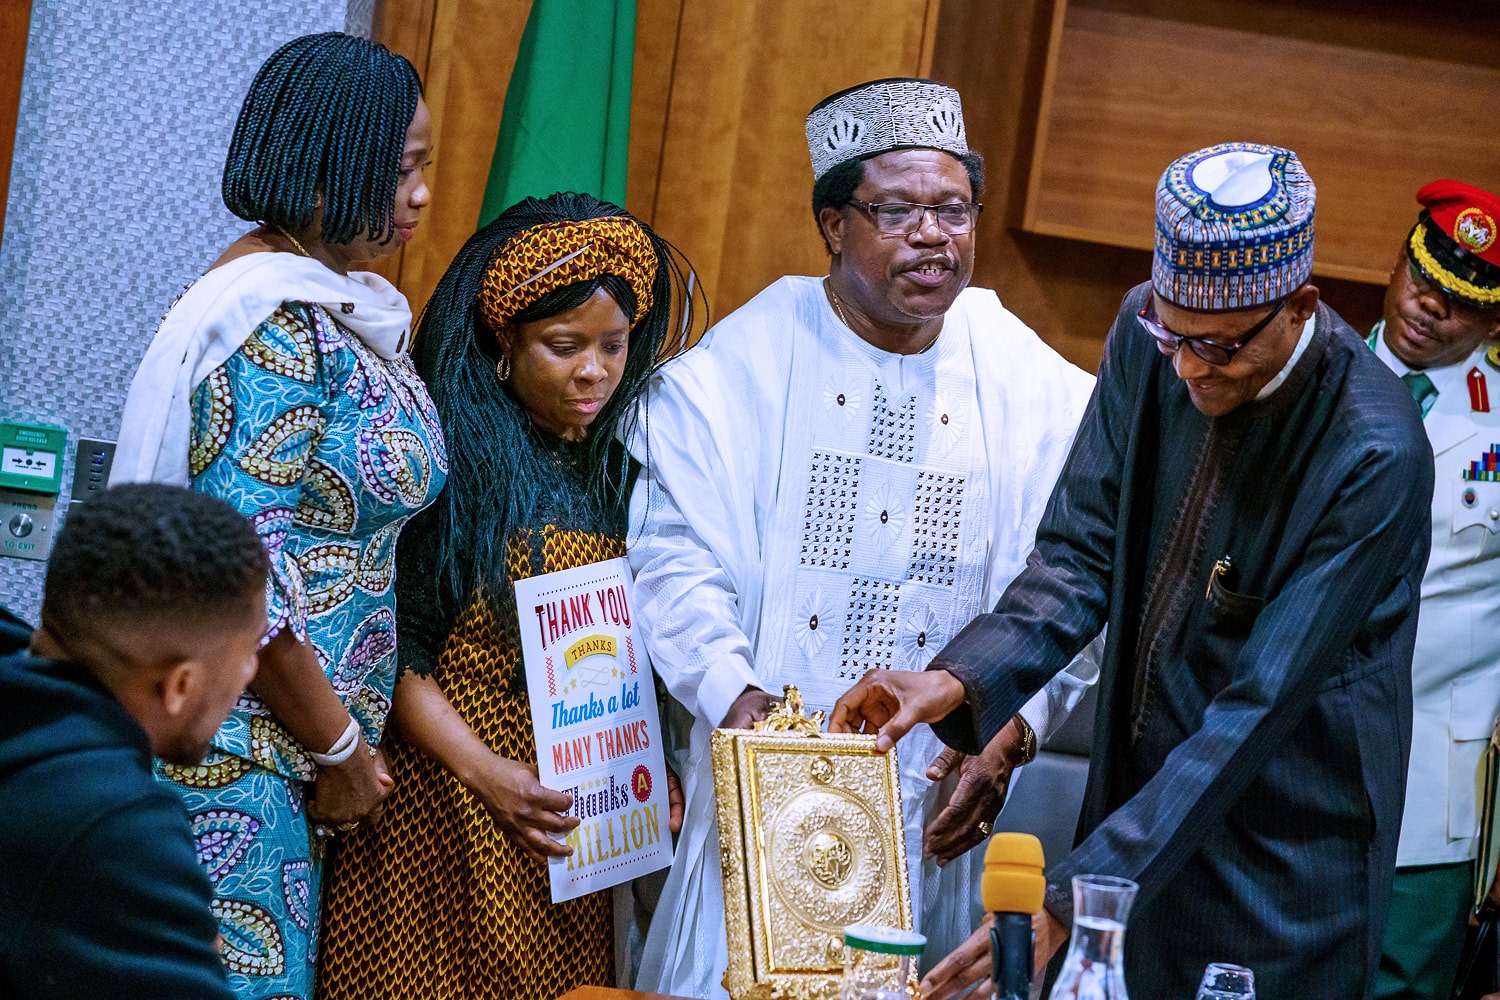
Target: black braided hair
148, 553
327, 114
836, 187
504, 473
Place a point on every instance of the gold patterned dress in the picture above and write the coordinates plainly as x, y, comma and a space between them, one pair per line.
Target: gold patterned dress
435, 903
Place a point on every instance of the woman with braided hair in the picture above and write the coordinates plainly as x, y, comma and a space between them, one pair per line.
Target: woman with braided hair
537, 345
280, 382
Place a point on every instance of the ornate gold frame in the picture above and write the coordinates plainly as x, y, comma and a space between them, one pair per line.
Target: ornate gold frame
811, 839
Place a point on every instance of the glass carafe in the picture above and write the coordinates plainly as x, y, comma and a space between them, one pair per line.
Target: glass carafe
1094, 968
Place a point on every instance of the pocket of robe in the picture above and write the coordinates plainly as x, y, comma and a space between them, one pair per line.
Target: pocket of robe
1234, 610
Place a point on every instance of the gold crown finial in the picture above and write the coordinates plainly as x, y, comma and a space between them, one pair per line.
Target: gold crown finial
791, 717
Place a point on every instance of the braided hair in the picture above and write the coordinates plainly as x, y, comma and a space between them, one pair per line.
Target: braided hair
327, 114
504, 474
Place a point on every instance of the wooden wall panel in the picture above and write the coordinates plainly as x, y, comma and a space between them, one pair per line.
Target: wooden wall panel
1134, 85
657, 23
719, 161
15, 24
1068, 290
465, 51
995, 54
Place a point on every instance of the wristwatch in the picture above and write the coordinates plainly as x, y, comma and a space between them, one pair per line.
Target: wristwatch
1028, 741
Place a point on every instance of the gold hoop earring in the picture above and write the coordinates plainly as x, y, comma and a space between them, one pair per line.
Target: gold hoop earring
502, 367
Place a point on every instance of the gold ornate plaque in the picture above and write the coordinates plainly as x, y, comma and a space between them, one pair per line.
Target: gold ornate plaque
810, 840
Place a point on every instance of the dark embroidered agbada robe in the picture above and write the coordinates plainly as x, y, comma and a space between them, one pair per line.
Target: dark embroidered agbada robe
1250, 748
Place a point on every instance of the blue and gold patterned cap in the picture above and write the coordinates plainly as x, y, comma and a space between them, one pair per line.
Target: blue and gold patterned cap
1234, 227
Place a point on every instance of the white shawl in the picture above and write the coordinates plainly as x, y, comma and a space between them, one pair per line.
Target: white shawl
211, 321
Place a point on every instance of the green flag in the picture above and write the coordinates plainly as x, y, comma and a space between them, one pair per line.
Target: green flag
566, 121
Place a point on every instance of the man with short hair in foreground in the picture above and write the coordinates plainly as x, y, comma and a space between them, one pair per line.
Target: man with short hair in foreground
1246, 507
152, 613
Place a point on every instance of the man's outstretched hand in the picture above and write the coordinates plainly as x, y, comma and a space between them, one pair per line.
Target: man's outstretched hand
890, 702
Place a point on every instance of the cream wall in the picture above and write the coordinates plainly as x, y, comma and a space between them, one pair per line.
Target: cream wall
125, 115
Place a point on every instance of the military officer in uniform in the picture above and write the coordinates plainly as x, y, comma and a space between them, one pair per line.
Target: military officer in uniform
1441, 334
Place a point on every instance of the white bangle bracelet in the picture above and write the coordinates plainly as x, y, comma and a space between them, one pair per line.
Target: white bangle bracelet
342, 749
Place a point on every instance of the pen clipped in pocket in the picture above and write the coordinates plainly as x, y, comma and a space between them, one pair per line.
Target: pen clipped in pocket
1229, 606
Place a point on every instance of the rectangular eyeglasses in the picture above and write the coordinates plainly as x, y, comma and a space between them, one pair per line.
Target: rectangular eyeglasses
1452, 301
903, 217
1217, 353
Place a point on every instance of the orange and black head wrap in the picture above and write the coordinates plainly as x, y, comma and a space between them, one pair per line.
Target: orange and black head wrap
551, 256
537, 259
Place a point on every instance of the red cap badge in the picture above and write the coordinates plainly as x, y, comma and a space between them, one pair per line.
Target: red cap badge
1457, 240
1467, 214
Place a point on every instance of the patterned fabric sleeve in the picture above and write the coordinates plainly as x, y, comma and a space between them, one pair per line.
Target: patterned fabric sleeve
256, 420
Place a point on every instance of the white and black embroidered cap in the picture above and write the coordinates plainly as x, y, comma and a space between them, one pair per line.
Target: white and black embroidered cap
876, 117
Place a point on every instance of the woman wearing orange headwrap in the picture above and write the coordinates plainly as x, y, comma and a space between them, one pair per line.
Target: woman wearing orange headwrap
536, 345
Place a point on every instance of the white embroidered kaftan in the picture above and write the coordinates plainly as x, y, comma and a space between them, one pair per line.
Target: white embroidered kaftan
812, 507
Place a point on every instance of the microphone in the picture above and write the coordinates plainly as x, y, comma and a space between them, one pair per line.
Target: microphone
1012, 888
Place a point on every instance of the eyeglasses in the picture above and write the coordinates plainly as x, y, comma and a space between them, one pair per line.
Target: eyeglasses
1214, 352
1452, 302
903, 217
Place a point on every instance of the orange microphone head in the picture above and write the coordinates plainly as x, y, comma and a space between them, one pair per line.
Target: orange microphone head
1013, 881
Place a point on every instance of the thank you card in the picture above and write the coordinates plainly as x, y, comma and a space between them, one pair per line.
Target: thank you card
598, 735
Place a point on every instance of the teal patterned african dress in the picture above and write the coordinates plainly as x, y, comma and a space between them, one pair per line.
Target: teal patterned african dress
328, 449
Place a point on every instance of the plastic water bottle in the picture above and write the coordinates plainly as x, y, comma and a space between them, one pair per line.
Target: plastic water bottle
880, 963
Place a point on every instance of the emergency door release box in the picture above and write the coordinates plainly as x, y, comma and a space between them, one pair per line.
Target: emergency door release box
31, 457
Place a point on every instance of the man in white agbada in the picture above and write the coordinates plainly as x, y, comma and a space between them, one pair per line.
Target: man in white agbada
842, 475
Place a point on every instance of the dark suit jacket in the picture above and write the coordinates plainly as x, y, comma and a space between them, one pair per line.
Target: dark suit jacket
1251, 780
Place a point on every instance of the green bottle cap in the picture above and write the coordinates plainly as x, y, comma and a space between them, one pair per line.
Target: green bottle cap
884, 940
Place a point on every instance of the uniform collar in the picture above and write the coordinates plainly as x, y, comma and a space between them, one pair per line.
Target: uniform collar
1448, 379
1450, 421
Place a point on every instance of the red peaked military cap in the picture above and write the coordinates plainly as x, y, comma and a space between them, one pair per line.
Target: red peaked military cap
1456, 242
